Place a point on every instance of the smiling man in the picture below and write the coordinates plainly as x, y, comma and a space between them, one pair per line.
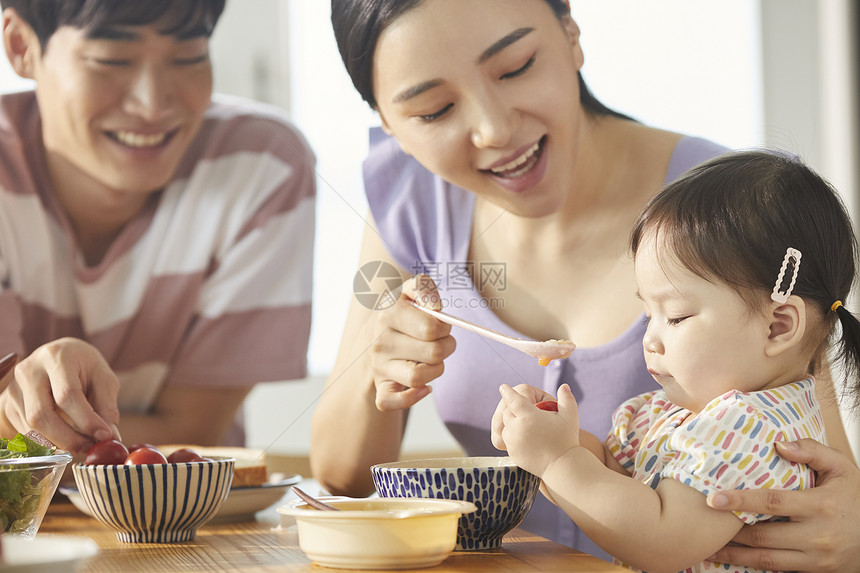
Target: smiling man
155, 246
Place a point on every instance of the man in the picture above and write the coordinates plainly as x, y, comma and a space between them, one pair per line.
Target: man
155, 246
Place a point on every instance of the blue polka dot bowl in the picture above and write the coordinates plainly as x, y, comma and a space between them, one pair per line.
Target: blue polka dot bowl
502, 492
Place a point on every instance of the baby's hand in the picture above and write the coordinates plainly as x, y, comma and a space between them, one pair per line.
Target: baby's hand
535, 438
535, 395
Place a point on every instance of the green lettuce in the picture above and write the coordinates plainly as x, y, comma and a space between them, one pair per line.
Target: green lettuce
20, 488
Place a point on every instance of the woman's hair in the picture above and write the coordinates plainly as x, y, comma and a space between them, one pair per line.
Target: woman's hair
731, 220
177, 17
358, 24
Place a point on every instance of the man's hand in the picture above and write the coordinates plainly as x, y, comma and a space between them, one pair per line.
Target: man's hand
66, 391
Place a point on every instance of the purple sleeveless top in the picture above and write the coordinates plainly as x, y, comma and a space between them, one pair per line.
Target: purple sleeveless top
426, 224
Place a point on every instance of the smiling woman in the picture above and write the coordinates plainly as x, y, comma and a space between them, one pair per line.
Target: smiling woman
504, 170
492, 154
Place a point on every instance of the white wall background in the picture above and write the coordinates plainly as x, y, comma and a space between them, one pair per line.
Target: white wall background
740, 72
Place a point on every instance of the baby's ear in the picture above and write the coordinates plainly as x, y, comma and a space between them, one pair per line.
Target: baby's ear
787, 325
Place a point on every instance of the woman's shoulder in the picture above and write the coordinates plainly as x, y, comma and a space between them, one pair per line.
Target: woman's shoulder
678, 152
420, 216
689, 152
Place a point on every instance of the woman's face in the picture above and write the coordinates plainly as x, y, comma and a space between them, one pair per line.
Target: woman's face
484, 93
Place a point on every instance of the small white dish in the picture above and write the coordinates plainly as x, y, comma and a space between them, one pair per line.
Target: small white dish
241, 503
45, 553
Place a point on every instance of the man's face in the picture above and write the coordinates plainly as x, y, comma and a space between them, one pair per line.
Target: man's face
121, 105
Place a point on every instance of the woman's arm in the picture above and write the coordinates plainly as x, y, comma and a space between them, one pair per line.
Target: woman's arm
385, 361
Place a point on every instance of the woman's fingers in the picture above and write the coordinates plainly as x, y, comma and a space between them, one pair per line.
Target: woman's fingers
826, 461
391, 395
763, 559
410, 347
823, 532
422, 290
766, 501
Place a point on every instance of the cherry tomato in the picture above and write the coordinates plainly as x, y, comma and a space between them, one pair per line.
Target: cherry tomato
184, 455
106, 452
548, 405
139, 445
145, 455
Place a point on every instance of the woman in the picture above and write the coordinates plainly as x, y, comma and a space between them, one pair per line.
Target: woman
520, 215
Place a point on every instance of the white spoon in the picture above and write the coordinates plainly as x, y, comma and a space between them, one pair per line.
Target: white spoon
544, 351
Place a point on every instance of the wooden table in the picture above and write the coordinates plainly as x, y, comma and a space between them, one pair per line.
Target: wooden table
262, 546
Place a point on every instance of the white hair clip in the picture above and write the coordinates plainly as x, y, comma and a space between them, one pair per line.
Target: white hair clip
777, 295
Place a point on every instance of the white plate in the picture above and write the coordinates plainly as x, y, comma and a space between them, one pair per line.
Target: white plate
241, 503
45, 553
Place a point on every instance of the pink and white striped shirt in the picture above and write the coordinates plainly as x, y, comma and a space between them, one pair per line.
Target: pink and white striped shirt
209, 285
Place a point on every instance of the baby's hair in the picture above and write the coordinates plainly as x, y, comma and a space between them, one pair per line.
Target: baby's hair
731, 220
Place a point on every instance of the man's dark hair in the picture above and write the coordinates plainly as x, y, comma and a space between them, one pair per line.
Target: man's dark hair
181, 18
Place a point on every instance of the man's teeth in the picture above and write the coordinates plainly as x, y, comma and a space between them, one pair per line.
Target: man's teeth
518, 161
140, 139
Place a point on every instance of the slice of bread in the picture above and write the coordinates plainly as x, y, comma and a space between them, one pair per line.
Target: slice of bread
250, 468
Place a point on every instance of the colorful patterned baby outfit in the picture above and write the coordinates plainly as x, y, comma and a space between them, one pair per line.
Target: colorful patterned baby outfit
728, 445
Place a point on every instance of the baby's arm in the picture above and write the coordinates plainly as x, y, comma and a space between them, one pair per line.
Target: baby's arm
663, 530
666, 529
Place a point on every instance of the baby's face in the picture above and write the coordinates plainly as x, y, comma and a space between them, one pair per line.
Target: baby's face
702, 339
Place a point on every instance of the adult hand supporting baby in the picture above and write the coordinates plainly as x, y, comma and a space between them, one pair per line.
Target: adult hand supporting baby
823, 534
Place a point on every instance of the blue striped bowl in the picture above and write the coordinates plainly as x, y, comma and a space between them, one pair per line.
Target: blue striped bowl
502, 492
155, 503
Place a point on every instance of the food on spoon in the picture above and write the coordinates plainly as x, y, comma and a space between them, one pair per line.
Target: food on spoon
545, 360
106, 452
548, 405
